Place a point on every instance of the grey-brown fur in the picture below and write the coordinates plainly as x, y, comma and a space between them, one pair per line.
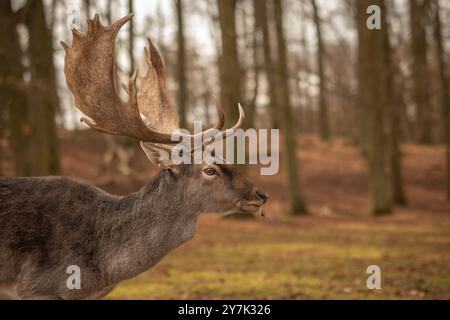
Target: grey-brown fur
49, 223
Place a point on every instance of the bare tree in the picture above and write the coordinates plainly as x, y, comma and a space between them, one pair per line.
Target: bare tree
45, 101
324, 129
296, 204
307, 122
248, 53
360, 21
420, 71
394, 102
131, 40
87, 8
109, 11
262, 22
181, 63
13, 94
53, 6
444, 86
373, 92
229, 69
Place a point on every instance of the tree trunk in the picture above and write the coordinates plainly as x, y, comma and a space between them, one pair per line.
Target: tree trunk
256, 71
181, 72
324, 129
373, 94
421, 95
361, 110
307, 123
109, 12
53, 15
87, 7
131, 40
394, 103
398, 194
262, 20
229, 70
13, 94
250, 31
296, 204
230, 77
44, 102
444, 84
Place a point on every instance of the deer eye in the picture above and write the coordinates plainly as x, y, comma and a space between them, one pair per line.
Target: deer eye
210, 171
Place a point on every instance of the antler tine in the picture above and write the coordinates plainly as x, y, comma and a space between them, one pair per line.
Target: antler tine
115, 27
241, 119
153, 99
227, 132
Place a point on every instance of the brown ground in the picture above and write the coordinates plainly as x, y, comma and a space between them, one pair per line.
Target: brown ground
324, 255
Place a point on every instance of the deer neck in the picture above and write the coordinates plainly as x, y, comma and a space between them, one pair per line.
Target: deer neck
147, 225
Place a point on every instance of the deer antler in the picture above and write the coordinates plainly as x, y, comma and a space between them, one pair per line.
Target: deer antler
148, 115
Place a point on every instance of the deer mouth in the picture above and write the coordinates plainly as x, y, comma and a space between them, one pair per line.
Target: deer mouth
252, 207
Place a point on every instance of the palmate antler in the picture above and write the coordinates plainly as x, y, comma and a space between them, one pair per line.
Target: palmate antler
89, 70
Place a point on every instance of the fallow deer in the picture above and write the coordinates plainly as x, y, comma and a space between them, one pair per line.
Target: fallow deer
50, 223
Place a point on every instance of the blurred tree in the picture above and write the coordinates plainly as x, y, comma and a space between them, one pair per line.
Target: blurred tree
53, 5
402, 49
181, 64
374, 97
131, 39
307, 121
229, 71
296, 204
13, 95
109, 12
230, 83
419, 10
444, 86
256, 66
394, 104
206, 93
249, 60
44, 100
360, 19
262, 22
161, 24
324, 129
87, 8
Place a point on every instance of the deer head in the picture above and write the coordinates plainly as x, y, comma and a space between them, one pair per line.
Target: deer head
149, 116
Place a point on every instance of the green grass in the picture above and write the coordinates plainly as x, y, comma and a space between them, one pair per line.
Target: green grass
304, 258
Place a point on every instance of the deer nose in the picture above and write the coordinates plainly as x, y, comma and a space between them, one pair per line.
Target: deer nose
263, 196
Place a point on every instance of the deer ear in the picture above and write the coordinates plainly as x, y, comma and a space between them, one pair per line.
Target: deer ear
158, 154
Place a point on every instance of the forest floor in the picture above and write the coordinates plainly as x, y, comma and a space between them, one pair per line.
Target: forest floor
322, 255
